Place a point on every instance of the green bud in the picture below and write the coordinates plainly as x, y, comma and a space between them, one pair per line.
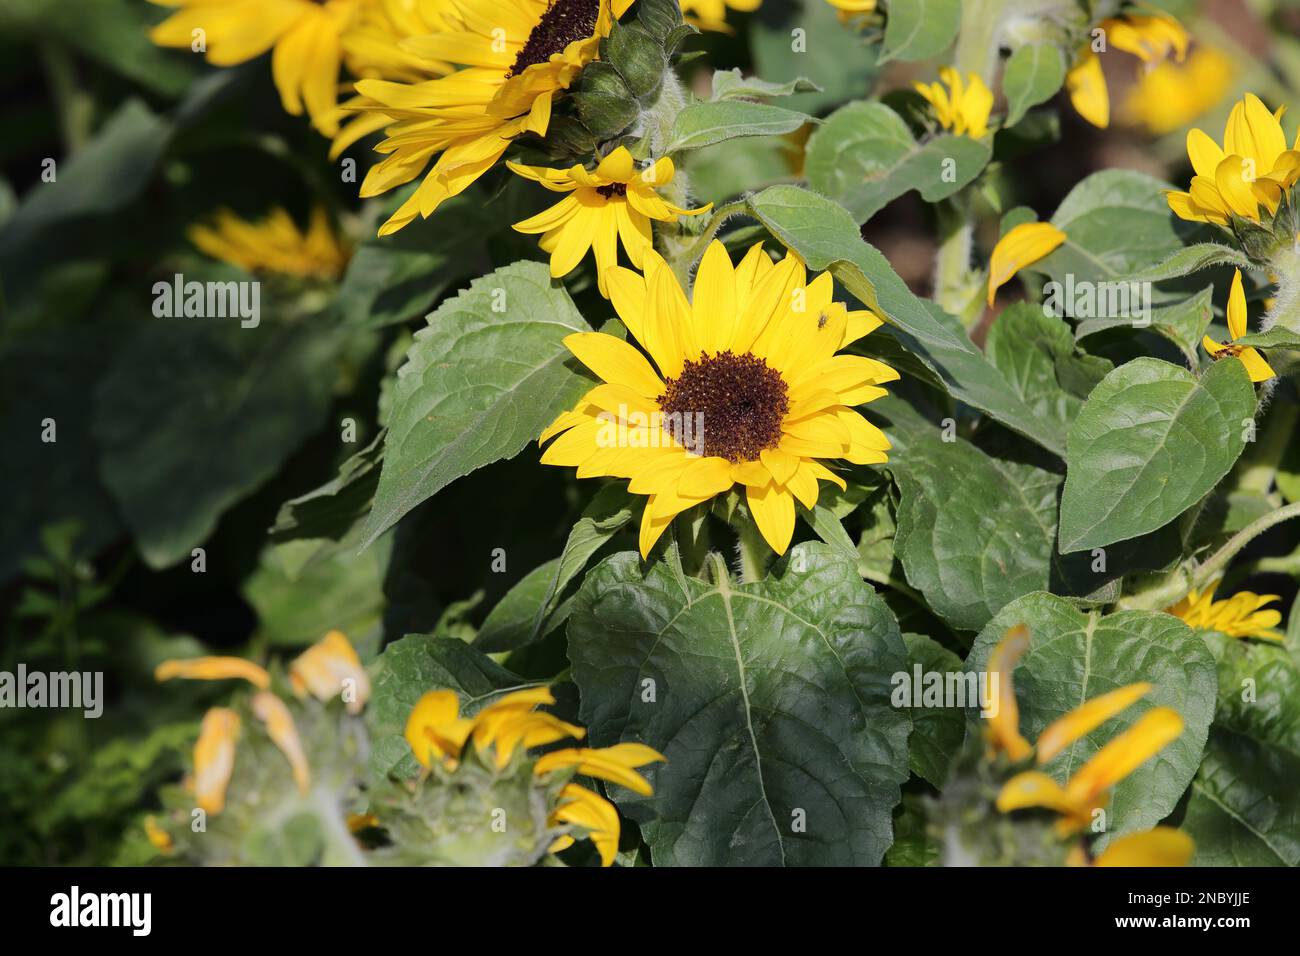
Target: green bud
639, 58
566, 138
604, 102
660, 17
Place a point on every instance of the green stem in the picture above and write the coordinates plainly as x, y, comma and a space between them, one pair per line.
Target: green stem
1208, 571
1258, 470
753, 550
687, 256
1286, 306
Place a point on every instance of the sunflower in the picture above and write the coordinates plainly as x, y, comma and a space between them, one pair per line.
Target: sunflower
438, 734
515, 57
1088, 788
748, 390
964, 107
373, 50
614, 201
306, 36
1169, 96
1152, 38
712, 14
1256, 366
275, 244
1237, 616
1251, 170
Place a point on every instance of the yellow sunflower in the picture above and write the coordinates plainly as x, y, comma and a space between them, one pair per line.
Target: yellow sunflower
1152, 38
1169, 96
306, 36
712, 14
745, 389
613, 202
1256, 366
964, 107
1237, 616
438, 734
275, 244
373, 50
515, 56
1251, 170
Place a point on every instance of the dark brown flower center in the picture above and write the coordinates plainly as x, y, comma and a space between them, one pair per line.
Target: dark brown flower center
726, 405
613, 189
563, 22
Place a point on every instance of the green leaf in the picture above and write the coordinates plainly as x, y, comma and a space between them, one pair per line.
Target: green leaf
1150, 442
705, 123
770, 701
331, 510
406, 670
478, 385
1182, 323
937, 732
1075, 656
864, 156
920, 29
1245, 806
913, 844
196, 413
1278, 337
1116, 223
1032, 75
841, 62
825, 236
1191, 259
975, 532
1037, 355
733, 84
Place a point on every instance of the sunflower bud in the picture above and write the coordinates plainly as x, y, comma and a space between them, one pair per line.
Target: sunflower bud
639, 58
660, 17
603, 101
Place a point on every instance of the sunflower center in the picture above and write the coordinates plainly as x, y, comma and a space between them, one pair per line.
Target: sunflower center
613, 189
738, 401
563, 22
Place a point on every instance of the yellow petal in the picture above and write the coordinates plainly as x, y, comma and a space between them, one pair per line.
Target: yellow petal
1004, 723
1033, 788
1236, 307
1086, 84
214, 668
615, 361
214, 758
272, 712
1161, 846
330, 668
1121, 756
1083, 719
1021, 246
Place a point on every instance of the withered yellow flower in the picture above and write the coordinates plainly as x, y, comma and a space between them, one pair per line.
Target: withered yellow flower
746, 388
1256, 366
1248, 173
1152, 38
438, 734
1169, 95
1003, 731
214, 668
214, 758
272, 712
612, 203
964, 107
515, 57
1023, 245
274, 244
306, 36
330, 668
1237, 616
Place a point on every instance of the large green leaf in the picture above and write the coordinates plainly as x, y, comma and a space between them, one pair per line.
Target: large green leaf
976, 532
1116, 223
1074, 656
1150, 442
937, 732
333, 509
196, 413
828, 238
1245, 805
1191, 259
1033, 74
714, 121
1036, 353
770, 700
478, 385
920, 29
1182, 322
865, 156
